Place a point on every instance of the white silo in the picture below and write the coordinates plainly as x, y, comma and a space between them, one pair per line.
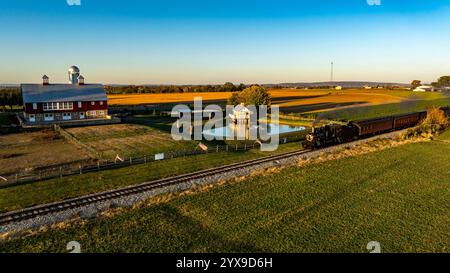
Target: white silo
74, 73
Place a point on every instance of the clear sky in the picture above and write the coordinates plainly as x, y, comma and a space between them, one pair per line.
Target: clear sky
214, 41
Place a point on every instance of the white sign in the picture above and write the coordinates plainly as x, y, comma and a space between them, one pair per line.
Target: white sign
159, 157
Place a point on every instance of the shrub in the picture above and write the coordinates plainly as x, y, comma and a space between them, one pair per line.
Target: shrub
436, 116
435, 123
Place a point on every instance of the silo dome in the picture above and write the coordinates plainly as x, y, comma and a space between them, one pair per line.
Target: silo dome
74, 69
74, 73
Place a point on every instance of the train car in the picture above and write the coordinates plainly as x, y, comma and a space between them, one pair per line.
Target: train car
373, 126
334, 134
447, 110
409, 120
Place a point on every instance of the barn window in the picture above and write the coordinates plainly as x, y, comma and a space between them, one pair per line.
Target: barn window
101, 103
34, 106
79, 104
93, 103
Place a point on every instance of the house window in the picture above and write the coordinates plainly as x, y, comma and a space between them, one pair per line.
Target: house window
101, 113
34, 106
32, 118
48, 117
51, 106
67, 116
80, 104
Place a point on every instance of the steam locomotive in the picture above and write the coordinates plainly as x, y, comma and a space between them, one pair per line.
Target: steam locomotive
334, 134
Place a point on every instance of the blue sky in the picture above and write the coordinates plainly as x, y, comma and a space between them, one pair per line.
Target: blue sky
214, 41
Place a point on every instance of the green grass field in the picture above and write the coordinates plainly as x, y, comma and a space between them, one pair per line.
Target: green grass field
398, 197
22, 196
445, 136
374, 111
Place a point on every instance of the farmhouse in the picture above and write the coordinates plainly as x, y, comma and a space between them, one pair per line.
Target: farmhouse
424, 88
59, 103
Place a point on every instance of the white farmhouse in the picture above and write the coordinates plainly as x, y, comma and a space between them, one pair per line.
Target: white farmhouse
424, 88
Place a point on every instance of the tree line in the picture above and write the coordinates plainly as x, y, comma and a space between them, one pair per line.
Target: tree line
163, 89
10, 97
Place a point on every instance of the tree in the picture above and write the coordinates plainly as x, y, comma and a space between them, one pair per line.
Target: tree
443, 81
229, 87
254, 95
234, 99
241, 87
416, 83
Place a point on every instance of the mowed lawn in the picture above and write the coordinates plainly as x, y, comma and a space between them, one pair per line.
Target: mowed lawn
31, 150
398, 197
128, 140
47, 191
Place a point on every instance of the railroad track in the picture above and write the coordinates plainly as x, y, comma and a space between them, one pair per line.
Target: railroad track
41, 210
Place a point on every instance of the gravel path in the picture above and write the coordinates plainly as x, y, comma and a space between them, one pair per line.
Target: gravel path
92, 210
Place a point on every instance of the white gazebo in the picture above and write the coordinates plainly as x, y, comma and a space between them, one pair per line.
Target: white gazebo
241, 114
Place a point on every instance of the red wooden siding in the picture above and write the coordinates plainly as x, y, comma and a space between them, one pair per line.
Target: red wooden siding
85, 106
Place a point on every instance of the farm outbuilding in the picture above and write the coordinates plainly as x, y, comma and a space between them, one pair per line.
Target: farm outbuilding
424, 88
48, 103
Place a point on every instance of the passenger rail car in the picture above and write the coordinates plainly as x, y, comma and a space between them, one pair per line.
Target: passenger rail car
334, 134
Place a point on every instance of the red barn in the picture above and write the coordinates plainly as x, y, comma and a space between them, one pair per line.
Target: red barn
58, 103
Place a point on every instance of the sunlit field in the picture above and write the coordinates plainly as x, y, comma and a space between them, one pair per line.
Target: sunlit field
395, 197
291, 100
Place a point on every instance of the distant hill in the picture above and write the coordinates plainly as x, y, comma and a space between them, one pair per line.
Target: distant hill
9, 85
345, 84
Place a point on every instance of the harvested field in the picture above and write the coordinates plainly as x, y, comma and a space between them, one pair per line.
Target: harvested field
137, 99
28, 151
128, 140
291, 100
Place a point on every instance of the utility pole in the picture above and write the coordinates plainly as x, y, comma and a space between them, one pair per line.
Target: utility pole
332, 72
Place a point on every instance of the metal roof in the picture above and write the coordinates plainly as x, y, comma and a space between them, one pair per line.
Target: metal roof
62, 92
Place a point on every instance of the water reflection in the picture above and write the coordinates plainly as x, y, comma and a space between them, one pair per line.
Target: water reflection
243, 131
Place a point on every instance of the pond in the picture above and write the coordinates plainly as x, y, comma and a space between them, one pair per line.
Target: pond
232, 130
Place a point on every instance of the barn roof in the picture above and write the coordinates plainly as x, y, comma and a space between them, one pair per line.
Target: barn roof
62, 92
